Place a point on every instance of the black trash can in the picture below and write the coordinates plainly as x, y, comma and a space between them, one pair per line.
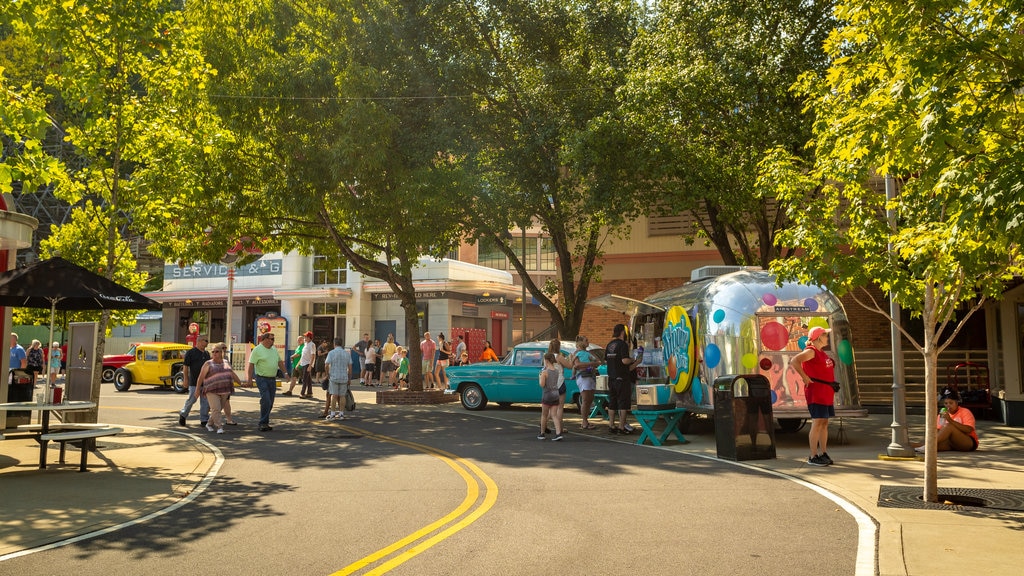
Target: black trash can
744, 426
20, 389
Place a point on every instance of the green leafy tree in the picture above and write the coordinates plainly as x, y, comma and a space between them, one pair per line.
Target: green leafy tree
117, 75
708, 95
930, 94
542, 78
343, 140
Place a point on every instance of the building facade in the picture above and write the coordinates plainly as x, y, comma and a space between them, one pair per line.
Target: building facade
477, 290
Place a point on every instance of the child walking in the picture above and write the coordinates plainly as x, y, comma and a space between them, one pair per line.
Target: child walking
402, 374
549, 399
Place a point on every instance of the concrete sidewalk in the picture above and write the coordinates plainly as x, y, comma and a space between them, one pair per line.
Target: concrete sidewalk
138, 473
913, 541
149, 471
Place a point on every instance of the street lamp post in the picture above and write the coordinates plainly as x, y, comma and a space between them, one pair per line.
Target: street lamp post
227, 315
523, 280
899, 445
244, 247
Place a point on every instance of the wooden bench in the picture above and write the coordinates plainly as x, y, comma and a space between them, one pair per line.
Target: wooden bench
88, 437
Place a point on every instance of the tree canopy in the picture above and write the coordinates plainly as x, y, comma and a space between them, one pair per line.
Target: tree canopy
110, 89
542, 77
338, 140
708, 94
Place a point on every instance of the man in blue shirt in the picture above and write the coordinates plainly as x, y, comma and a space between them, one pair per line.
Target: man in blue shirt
339, 372
19, 360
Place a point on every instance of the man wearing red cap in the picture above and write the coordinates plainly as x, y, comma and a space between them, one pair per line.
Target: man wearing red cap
818, 373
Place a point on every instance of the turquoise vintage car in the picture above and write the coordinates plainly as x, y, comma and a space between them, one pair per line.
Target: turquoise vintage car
515, 378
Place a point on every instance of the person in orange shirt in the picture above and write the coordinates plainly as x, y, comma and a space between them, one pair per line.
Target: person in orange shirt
488, 354
956, 426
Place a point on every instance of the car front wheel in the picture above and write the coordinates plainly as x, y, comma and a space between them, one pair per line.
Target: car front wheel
107, 375
473, 397
122, 380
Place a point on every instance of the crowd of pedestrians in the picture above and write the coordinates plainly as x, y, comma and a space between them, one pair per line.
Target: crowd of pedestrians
332, 366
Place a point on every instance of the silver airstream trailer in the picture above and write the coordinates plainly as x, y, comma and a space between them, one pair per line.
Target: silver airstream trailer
740, 322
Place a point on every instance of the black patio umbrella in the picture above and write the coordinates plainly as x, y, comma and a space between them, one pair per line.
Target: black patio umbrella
60, 285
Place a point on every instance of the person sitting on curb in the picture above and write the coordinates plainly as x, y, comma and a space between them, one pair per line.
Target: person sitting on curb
956, 426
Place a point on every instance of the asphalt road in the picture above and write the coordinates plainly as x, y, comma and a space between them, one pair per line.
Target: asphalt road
438, 490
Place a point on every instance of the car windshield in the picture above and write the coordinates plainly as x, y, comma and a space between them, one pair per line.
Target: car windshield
526, 355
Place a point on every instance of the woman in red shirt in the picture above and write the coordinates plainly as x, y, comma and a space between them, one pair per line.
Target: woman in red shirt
818, 372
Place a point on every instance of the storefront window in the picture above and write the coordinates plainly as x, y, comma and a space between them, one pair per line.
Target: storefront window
421, 316
328, 308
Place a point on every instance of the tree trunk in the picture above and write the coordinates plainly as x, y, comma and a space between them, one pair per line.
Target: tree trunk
412, 331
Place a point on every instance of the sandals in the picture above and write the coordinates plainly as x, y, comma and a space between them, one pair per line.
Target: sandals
588, 426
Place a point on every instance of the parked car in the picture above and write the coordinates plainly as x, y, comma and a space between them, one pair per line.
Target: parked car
155, 364
514, 379
111, 362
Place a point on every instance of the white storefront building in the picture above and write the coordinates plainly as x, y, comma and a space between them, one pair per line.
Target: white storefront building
337, 303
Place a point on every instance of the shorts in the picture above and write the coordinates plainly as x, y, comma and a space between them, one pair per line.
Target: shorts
620, 394
442, 363
428, 366
337, 387
297, 372
561, 389
387, 366
822, 410
586, 383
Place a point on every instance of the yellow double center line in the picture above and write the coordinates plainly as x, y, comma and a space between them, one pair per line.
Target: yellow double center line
425, 538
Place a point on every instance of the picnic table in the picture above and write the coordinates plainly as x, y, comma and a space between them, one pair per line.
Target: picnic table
600, 409
647, 419
45, 409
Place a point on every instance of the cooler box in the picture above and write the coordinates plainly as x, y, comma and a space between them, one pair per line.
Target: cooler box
654, 397
602, 383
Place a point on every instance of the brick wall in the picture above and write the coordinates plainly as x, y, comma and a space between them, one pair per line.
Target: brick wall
415, 397
598, 322
870, 330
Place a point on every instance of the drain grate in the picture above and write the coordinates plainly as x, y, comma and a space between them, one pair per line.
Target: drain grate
959, 498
